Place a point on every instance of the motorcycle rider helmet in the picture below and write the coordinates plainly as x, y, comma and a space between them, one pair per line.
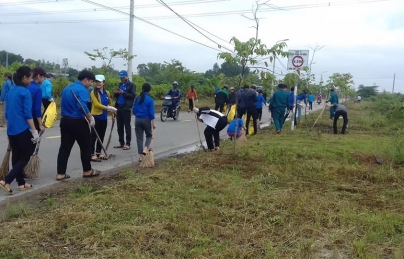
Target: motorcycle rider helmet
175, 83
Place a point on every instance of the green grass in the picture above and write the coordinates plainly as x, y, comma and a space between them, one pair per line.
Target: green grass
301, 194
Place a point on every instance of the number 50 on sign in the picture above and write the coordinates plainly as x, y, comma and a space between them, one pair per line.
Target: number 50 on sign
298, 59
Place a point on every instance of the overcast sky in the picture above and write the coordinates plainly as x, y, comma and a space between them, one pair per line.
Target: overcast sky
364, 39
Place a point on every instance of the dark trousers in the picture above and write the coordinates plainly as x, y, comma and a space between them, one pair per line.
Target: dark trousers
123, 118
241, 112
344, 115
219, 107
191, 104
72, 130
101, 128
310, 105
213, 133
45, 103
22, 150
251, 112
36, 123
259, 113
143, 126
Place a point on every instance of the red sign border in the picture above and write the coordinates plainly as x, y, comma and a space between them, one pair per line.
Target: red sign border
294, 59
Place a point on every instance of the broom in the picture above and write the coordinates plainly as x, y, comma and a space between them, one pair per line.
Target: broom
31, 170
148, 160
5, 166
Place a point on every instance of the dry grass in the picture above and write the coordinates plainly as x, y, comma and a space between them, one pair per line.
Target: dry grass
302, 194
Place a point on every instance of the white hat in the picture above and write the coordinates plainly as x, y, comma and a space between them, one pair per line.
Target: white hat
100, 78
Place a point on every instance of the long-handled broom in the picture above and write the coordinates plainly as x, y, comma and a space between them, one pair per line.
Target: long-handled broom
5, 166
148, 160
31, 170
199, 132
110, 134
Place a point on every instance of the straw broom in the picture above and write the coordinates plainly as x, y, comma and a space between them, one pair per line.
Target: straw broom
31, 170
148, 160
5, 166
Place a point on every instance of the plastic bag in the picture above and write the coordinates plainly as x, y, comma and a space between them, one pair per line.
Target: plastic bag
231, 114
50, 115
251, 126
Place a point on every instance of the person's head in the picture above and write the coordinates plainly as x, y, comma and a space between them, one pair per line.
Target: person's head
231, 89
49, 76
100, 81
86, 77
225, 87
246, 87
175, 84
38, 74
310, 93
292, 89
123, 75
146, 88
23, 76
282, 86
7, 76
192, 86
254, 87
332, 90
260, 91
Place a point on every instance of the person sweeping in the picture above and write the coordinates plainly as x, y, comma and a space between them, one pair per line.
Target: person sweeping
279, 102
74, 126
21, 130
100, 106
143, 109
215, 122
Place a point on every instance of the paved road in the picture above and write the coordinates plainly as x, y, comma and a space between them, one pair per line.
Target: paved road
171, 137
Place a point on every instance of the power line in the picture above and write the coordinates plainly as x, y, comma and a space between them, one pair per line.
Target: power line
32, 2
186, 21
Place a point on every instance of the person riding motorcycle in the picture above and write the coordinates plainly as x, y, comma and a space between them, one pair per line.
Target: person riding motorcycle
175, 95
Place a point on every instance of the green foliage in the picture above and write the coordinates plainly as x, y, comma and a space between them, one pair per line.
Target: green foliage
58, 85
106, 55
341, 82
367, 91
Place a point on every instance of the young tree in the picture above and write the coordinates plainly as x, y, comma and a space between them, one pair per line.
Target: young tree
106, 55
65, 63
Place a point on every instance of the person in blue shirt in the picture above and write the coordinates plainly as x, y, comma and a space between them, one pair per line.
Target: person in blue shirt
8, 83
258, 104
310, 99
125, 95
144, 121
39, 76
100, 106
21, 131
333, 100
175, 93
74, 125
46, 87
231, 129
299, 99
292, 98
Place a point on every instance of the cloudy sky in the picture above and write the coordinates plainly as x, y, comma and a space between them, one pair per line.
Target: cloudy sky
364, 39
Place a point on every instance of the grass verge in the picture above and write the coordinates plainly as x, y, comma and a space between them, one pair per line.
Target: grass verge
301, 194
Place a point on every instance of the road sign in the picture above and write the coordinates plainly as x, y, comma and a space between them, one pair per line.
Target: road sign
298, 59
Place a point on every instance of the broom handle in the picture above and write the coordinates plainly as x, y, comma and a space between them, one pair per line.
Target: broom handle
110, 134
151, 143
37, 145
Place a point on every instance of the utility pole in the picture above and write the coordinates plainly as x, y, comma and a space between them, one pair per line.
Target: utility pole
130, 47
394, 81
6, 60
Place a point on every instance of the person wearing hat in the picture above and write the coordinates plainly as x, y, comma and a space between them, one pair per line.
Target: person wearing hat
222, 98
8, 83
175, 94
191, 96
38, 77
333, 100
74, 125
101, 104
215, 122
279, 102
125, 96
46, 87
21, 131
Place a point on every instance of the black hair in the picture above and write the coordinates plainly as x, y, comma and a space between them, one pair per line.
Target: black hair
146, 88
282, 86
192, 88
8, 75
332, 89
86, 74
246, 86
96, 92
20, 73
292, 89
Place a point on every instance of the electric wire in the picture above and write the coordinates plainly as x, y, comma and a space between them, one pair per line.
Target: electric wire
33, 2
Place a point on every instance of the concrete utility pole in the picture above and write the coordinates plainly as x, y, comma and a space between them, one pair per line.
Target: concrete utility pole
394, 81
6, 59
130, 47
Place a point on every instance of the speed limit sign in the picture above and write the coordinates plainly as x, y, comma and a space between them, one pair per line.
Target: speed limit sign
298, 59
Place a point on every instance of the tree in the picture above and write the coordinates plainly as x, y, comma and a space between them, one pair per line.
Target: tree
106, 55
57, 67
367, 91
12, 58
65, 63
341, 82
29, 61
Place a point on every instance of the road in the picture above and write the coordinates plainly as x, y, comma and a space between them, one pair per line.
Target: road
171, 137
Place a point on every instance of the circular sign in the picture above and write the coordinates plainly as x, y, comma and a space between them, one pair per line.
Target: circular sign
297, 61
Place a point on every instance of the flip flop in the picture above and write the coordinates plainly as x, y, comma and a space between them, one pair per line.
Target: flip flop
126, 147
96, 159
10, 192
25, 187
93, 173
102, 157
119, 146
65, 177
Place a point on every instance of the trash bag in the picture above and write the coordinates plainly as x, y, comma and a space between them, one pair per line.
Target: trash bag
251, 126
50, 115
242, 137
225, 109
231, 114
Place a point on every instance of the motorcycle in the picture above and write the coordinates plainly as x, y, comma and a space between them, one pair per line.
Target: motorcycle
166, 109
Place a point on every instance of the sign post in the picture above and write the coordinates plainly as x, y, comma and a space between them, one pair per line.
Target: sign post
297, 60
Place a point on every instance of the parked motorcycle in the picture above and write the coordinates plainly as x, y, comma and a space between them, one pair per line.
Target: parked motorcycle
167, 111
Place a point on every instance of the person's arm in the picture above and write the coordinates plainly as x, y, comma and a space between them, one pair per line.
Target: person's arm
130, 92
96, 102
27, 107
3, 92
84, 98
37, 108
169, 92
151, 111
196, 94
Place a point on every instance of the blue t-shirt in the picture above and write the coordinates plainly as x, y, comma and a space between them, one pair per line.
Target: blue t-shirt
144, 110
69, 105
36, 93
121, 97
260, 100
311, 98
18, 110
232, 126
104, 101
